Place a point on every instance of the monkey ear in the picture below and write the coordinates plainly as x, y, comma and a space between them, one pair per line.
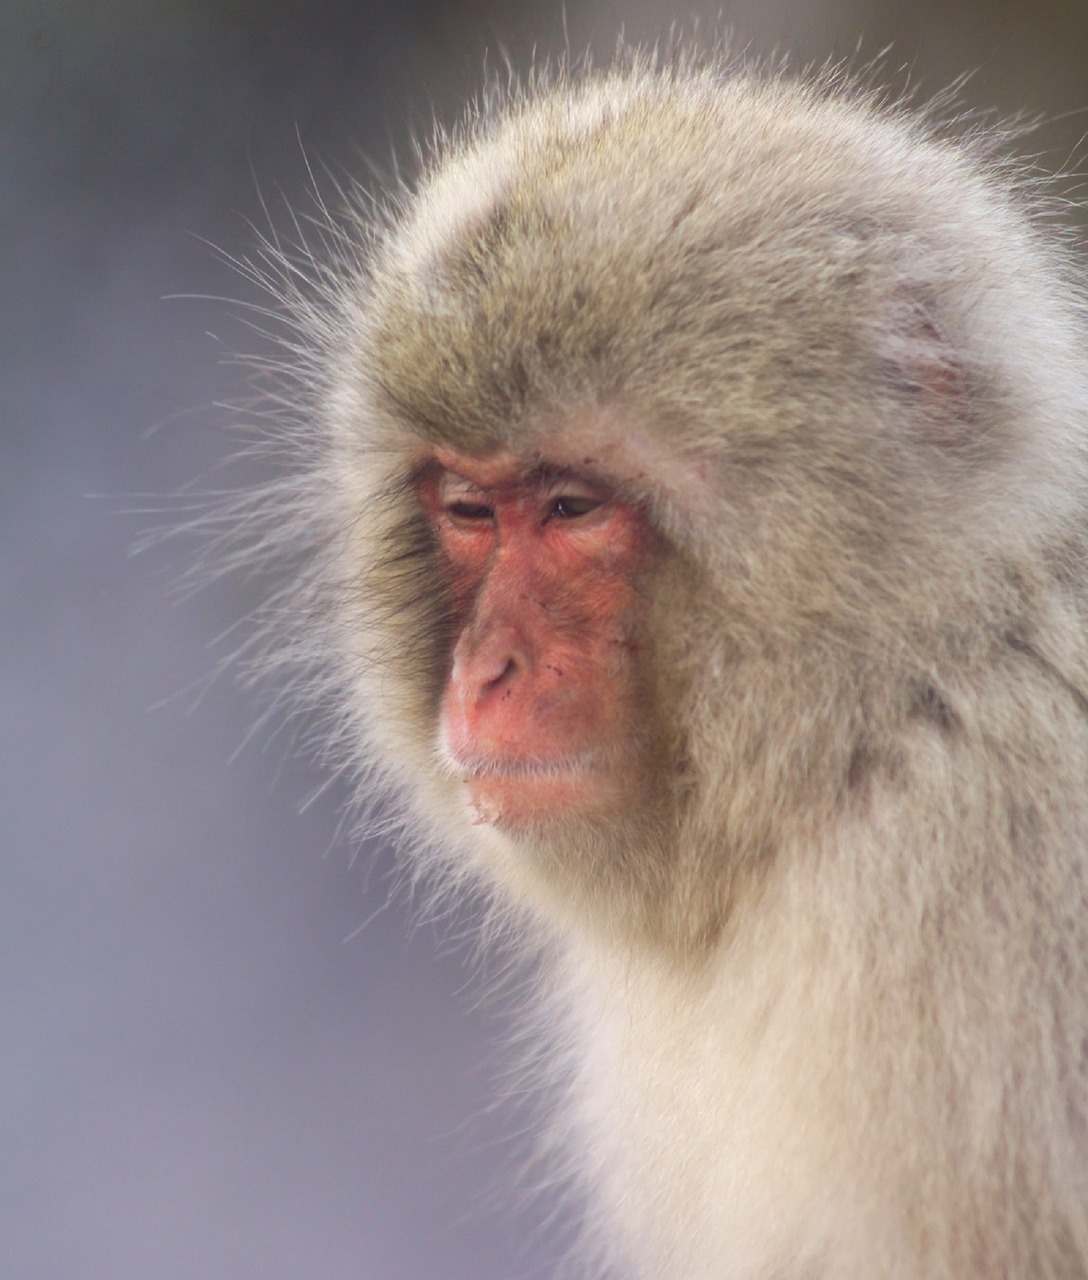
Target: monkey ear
929, 376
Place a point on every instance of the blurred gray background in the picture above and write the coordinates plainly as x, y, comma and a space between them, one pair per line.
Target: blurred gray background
208, 1069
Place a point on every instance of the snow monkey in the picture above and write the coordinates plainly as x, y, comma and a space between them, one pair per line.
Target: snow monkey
692, 512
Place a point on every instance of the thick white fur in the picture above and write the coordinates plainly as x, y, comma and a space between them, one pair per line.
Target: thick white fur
828, 1007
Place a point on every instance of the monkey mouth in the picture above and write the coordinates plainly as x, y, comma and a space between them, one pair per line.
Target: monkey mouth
514, 769
518, 793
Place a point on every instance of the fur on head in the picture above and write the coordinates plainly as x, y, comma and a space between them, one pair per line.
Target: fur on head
820, 339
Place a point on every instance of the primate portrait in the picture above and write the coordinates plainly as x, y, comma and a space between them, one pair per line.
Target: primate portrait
689, 511
544, 551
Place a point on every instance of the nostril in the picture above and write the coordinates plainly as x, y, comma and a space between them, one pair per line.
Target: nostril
485, 664
504, 676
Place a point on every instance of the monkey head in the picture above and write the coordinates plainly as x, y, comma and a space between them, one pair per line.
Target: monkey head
660, 424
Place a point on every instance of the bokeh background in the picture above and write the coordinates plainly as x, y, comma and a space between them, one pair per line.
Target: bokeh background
227, 1051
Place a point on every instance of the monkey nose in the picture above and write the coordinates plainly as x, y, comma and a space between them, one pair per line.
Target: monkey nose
490, 666
480, 697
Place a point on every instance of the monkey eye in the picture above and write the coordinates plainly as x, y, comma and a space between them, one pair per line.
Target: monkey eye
462, 501
465, 510
569, 506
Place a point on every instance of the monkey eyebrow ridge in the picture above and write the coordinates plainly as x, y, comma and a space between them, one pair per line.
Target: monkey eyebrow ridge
542, 474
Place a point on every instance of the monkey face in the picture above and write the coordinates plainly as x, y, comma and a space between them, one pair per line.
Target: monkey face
538, 713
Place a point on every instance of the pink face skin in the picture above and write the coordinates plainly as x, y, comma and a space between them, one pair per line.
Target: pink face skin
538, 712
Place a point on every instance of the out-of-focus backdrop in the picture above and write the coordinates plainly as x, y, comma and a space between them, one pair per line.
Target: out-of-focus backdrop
208, 1069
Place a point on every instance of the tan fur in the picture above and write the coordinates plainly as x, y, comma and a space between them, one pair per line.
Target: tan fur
828, 983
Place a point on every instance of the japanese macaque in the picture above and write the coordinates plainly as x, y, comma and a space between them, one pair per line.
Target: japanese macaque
694, 514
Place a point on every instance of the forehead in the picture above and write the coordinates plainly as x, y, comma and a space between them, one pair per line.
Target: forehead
505, 469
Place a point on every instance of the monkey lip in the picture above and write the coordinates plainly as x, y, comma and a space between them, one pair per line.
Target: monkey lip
510, 792
512, 769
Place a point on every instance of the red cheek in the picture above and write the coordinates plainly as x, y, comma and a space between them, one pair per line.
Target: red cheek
465, 569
